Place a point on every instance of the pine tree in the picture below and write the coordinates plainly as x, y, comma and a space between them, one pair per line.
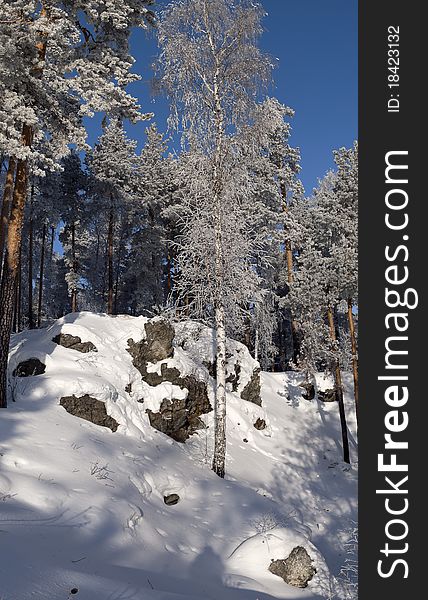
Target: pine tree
70, 59
327, 271
113, 170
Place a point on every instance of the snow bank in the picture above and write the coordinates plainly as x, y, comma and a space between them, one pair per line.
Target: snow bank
82, 507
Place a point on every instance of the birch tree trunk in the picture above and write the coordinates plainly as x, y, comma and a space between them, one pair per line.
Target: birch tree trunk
354, 353
219, 460
41, 276
338, 387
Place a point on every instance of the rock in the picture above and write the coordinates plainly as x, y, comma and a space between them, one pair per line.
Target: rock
233, 378
29, 368
296, 570
211, 368
260, 424
327, 395
89, 409
251, 391
74, 343
309, 390
245, 440
179, 418
157, 345
171, 499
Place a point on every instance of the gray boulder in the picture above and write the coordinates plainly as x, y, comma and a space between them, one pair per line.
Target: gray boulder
171, 499
178, 418
90, 409
296, 570
29, 368
157, 345
327, 395
73, 342
260, 424
251, 391
309, 390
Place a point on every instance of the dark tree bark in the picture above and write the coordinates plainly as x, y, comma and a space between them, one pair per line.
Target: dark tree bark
354, 353
119, 259
14, 237
74, 266
6, 203
41, 276
338, 387
11, 264
51, 251
30, 265
110, 261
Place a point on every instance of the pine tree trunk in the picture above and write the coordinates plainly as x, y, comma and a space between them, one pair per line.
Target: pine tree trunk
110, 263
354, 353
52, 244
41, 276
30, 265
219, 462
116, 283
74, 267
290, 277
338, 387
11, 264
19, 293
5, 209
168, 273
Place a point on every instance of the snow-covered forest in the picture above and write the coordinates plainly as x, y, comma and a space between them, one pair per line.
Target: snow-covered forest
191, 306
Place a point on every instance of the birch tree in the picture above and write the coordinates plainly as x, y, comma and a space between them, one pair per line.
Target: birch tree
211, 69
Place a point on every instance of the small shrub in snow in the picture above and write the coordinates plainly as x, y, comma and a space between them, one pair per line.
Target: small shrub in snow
101, 472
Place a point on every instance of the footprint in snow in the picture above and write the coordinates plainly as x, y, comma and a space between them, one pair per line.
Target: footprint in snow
161, 532
141, 484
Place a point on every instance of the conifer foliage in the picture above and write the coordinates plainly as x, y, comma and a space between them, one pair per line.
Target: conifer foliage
208, 220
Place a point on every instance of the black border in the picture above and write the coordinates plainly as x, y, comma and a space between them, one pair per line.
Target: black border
380, 132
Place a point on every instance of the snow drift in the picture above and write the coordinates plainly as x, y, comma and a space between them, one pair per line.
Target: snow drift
129, 512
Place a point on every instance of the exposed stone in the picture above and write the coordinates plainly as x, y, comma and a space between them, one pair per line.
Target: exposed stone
179, 418
90, 409
233, 378
260, 424
309, 390
211, 367
171, 499
29, 368
73, 342
296, 570
245, 440
156, 347
251, 391
128, 388
327, 395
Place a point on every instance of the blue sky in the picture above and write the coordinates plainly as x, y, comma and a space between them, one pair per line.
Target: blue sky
315, 42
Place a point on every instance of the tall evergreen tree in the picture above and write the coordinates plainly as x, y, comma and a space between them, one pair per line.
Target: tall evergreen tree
70, 59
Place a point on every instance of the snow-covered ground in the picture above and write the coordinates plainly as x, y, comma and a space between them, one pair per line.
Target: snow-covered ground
83, 508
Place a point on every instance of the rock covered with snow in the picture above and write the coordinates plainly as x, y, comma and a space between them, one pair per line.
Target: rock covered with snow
137, 504
296, 570
137, 370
